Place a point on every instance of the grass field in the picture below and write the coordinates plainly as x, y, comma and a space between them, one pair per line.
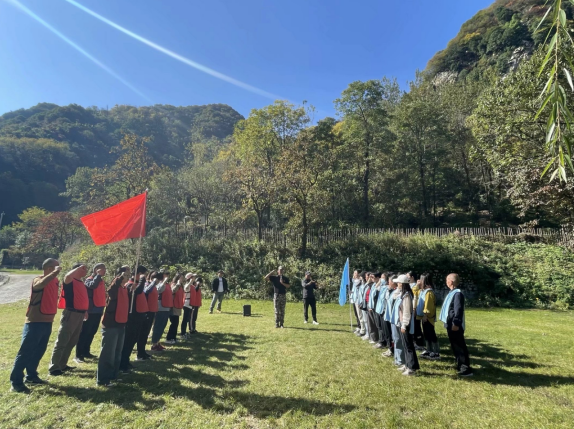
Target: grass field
243, 373
9, 271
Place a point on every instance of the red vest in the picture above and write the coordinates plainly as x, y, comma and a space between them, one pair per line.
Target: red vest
122, 306
167, 297
99, 295
178, 298
195, 297
152, 297
141, 303
80, 297
48, 299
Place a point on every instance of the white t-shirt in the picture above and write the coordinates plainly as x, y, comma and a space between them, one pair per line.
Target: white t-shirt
220, 289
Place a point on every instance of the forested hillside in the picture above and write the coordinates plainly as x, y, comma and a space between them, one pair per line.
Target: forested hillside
42, 146
496, 38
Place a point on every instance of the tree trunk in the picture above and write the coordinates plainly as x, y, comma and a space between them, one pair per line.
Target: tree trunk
305, 233
423, 188
366, 175
259, 224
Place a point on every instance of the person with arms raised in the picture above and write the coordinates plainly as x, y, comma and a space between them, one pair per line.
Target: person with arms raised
74, 301
186, 319
452, 314
195, 301
40, 315
280, 286
178, 301
165, 304
219, 287
113, 329
309, 286
151, 293
97, 302
136, 317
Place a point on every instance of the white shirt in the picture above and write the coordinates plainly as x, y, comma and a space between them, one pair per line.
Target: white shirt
220, 289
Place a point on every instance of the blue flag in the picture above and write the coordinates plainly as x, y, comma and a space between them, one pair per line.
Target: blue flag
344, 283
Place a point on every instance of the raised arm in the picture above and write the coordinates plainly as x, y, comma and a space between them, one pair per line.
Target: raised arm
40, 283
72, 274
269, 275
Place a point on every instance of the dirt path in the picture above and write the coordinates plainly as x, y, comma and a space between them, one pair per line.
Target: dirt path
14, 287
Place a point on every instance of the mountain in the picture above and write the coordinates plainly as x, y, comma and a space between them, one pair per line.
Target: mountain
498, 38
42, 146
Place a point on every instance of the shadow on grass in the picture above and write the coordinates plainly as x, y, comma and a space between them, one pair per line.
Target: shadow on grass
169, 374
493, 360
241, 314
317, 329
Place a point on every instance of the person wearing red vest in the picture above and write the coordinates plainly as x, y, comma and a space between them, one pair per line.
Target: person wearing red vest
74, 299
97, 302
165, 304
151, 294
113, 329
195, 301
136, 318
186, 319
37, 327
178, 301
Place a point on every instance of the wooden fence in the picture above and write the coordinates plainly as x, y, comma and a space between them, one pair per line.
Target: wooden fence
564, 236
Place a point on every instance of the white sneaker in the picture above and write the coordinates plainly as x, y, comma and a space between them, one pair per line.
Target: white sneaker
305, 321
388, 353
315, 323
409, 372
371, 342
402, 368
365, 337
170, 342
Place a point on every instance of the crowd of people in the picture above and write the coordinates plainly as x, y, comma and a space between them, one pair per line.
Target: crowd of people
128, 309
393, 311
398, 312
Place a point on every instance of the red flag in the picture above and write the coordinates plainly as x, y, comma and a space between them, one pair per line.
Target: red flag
124, 220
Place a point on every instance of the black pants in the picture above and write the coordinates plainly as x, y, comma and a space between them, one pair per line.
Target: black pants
378, 323
185, 321
388, 333
89, 329
411, 360
418, 335
459, 349
430, 337
383, 340
133, 330
373, 331
357, 316
144, 332
310, 302
172, 331
194, 311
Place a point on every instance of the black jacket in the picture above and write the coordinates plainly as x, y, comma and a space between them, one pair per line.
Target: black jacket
215, 284
455, 311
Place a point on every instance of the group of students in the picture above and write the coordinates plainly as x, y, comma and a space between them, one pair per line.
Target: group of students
128, 309
398, 312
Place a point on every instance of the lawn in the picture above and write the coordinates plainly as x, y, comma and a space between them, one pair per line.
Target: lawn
11, 271
243, 373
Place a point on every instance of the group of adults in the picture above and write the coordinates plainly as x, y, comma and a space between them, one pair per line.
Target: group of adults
398, 312
128, 308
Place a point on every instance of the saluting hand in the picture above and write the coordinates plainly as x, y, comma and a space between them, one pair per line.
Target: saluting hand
100, 272
57, 269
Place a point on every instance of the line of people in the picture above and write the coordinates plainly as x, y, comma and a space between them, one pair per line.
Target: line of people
128, 309
398, 312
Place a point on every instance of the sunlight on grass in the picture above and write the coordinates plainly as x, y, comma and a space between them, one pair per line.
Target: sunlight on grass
242, 372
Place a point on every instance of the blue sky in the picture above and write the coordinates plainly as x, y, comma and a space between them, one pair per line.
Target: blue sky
295, 49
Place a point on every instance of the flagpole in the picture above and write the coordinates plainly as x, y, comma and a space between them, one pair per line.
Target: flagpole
138, 252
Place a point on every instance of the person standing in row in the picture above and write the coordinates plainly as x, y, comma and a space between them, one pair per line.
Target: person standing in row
388, 315
219, 288
96, 303
407, 327
452, 314
363, 298
379, 312
136, 317
195, 301
416, 288
354, 302
309, 286
399, 352
178, 300
165, 304
371, 304
186, 319
151, 294
113, 329
280, 286
40, 314
74, 300
426, 311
